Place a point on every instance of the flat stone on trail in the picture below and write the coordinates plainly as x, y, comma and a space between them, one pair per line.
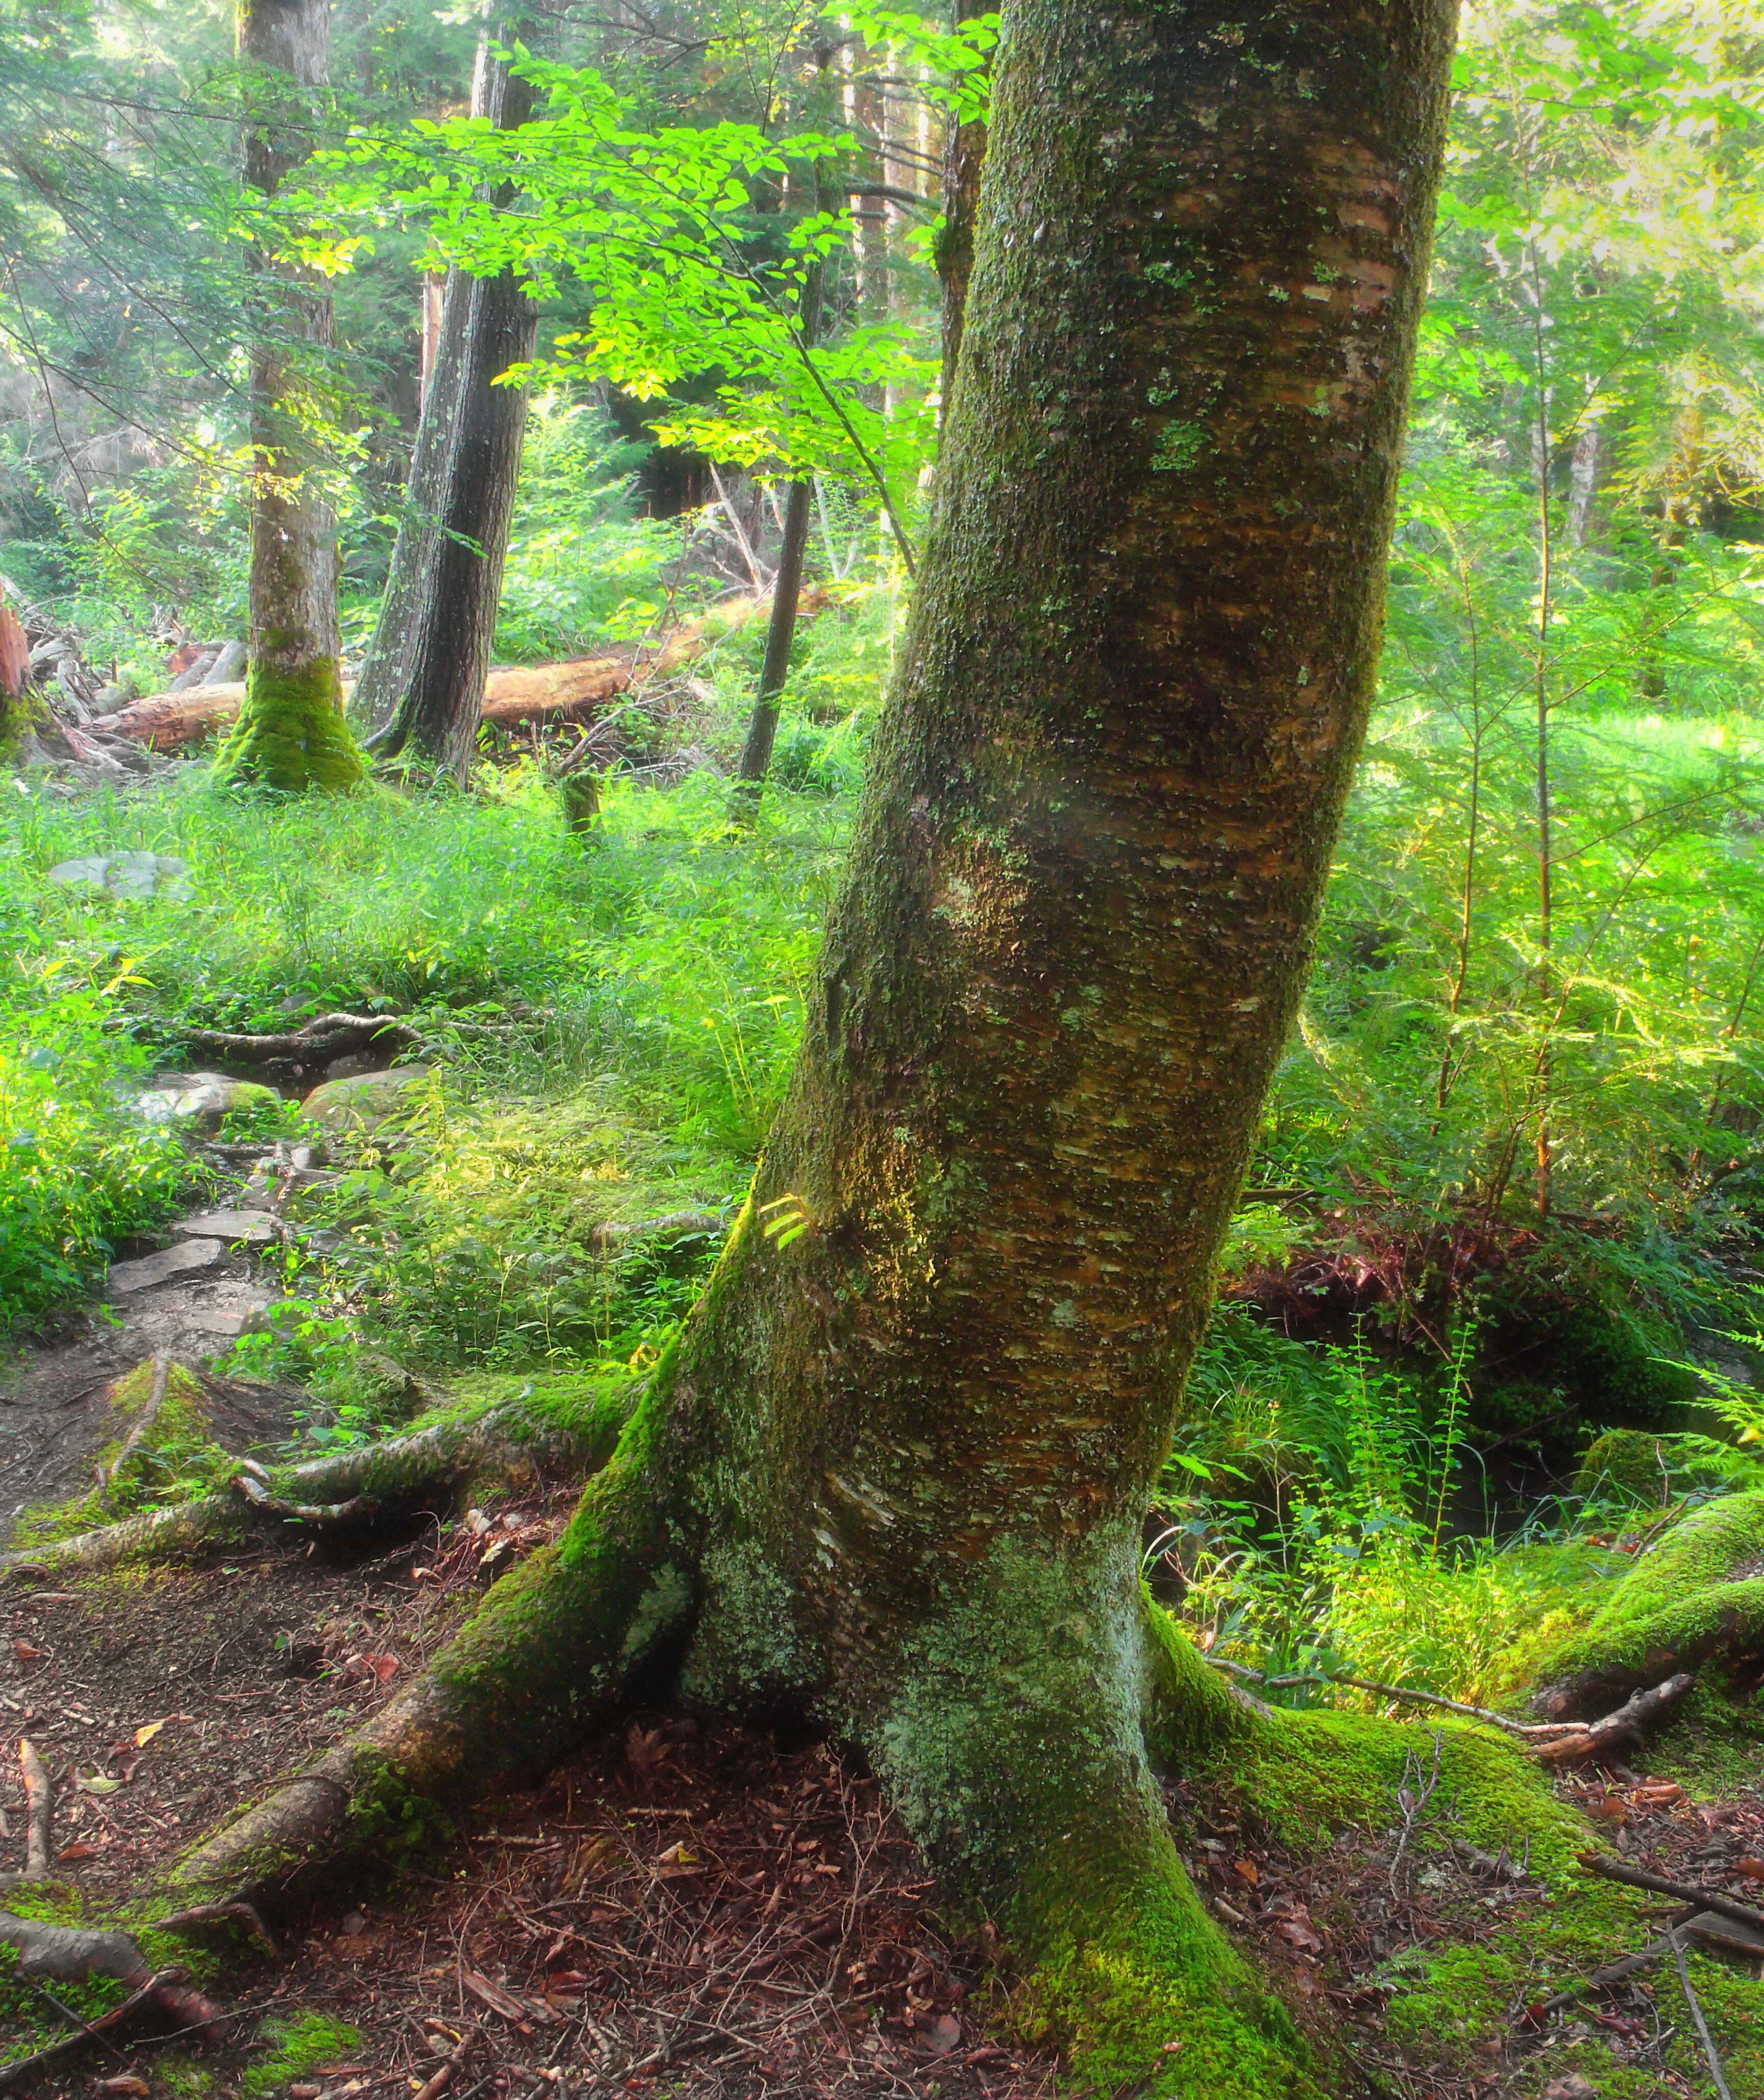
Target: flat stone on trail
255, 1226
364, 1101
137, 875
128, 1276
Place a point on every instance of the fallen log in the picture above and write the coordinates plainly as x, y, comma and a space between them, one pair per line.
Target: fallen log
536, 692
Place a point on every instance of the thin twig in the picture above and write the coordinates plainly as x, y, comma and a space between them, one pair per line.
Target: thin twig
96, 2030
1697, 2014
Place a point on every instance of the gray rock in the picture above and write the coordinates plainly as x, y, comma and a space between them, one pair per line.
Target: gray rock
254, 1227
136, 875
126, 1277
202, 1098
365, 1102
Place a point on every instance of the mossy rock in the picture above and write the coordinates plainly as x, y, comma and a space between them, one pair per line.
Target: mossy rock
1625, 1464
365, 1101
1609, 1359
1695, 1596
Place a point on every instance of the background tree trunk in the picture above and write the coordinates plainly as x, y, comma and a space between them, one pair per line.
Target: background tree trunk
422, 682
787, 594
290, 734
964, 153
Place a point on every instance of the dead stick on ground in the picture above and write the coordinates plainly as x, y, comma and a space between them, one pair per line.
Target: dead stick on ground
1637, 1877
1630, 1723
1457, 1706
39, 1812
142, 1422
441, 2079
1697, 2014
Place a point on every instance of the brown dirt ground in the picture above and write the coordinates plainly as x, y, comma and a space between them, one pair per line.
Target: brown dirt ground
703, 1910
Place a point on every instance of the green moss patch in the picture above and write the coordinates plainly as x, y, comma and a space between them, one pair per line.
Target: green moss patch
306, 2042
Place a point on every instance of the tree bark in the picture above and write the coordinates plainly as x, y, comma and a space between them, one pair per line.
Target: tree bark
290, 734
422, 682
893, 1471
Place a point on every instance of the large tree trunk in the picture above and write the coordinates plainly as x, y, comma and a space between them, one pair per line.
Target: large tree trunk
423, 678
964, 153
894, 1471
290, 734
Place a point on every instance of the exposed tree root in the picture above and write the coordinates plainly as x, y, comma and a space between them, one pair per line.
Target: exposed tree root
555, 1645
71, 1954
326, 1036
1619, 1731
28, 2067
346, 1487
142, 1422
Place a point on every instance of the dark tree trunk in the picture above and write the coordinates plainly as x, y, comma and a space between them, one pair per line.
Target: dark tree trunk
787, 595
894, 1471
422, 682
965, 154
290, 734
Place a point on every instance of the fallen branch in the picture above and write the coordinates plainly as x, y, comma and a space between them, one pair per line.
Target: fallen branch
143, 1422
1690, 1892
1697, 2014
1457, 1706
439, 2081
1629, 1724
358, 1509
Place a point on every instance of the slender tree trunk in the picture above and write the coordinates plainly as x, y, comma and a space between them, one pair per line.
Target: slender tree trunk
895, 1469
965, 154
290, 734
422, 683
787, 594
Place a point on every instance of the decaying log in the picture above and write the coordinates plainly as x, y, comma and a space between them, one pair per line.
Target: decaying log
537, 692
611, 1236
1628, 1724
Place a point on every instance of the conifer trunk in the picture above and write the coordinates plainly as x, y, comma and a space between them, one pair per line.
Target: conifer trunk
422, 682
290, 734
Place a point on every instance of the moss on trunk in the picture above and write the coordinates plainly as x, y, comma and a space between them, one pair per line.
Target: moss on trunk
290, 734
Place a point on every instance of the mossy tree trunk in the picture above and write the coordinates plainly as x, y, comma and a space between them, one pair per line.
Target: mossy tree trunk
893, 1473
422, 683
290, 733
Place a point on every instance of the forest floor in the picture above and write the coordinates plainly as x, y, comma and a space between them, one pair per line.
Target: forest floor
680, 1909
